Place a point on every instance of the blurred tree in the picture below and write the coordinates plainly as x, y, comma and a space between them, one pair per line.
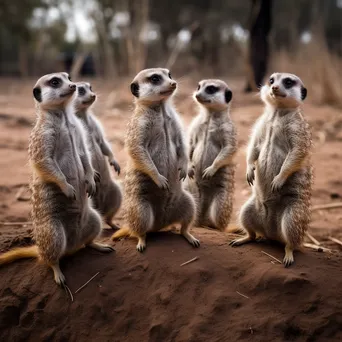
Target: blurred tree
258, 54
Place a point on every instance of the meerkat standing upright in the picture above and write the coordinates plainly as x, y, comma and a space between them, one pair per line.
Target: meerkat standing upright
279, 166
108, 197
62, 175
212, 148
158, 161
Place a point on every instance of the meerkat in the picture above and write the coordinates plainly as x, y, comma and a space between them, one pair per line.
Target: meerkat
107, 199
279, 168
154, 195
62, 179
212, 148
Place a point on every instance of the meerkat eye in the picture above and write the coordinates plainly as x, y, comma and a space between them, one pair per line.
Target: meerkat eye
81, 91
170, 75
90, 88
55, 82
198, 88
288, 83
271, 80
211, 89
69, 78
155, 79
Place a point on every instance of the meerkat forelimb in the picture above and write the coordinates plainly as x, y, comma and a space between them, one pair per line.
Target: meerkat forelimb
158, 161
279, 168
108, 197
62, 179
212, 148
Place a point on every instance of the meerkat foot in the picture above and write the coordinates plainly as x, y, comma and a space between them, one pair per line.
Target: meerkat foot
242, 241
103, 248
112, 225
141, 246
288, 258
58, 275
191, 239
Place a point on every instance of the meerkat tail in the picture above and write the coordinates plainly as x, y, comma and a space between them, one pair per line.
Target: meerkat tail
123, 232
19, 253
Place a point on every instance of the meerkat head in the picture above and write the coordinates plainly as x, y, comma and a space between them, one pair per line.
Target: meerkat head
213, 94
53, 91
283, 90
84, 96
153, 85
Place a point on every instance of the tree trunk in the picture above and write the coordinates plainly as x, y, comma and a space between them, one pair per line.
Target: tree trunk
258, 54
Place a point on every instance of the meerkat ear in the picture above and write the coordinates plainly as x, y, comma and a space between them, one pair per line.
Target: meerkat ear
304, 92
135, 89
228, 95
37, 93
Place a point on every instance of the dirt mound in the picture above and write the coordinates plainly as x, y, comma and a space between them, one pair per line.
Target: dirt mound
228, 294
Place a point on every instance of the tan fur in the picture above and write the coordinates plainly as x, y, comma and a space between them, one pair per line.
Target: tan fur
212, 148
157, 161
62, 175
279, 168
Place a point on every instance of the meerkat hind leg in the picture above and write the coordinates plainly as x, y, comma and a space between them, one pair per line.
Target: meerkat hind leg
241, 241
141, 246
288, 258
101, 247
58, 275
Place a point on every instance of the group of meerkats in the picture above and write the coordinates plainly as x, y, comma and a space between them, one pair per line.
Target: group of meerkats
168, 180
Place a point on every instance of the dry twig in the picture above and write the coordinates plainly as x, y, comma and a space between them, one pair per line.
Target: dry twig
15, 223
188, 262
241, 294
79, 289
316, 248
271, 256
339, 242
316, 242
327, 206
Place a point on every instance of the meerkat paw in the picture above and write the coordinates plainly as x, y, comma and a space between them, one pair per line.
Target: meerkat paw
191, 239
97, 177
241, 241
103, 248
58, 275
116, 166
191, 172
208, 172
277, 183
90, 187
141, 246
163, 183
288, 258
250, 175
70, 192
182, 173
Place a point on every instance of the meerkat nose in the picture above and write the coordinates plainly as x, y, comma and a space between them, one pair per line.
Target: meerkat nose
275, 88
173, 84
72, 86
93, 97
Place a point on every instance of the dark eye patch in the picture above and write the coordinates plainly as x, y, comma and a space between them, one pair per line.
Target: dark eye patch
155, 79
304, 93
55, 82
288, 83
271, 80
199, 87
211, 89
228, 95
170, 75
81, 91
69, 78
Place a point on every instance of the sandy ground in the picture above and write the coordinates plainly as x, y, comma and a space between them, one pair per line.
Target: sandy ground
150, 297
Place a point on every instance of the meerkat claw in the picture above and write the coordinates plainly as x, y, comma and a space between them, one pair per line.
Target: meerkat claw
288, 258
